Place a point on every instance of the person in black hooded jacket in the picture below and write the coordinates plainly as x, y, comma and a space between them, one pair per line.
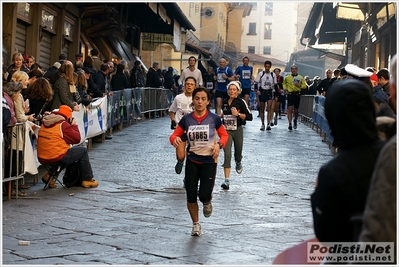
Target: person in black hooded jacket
343, 182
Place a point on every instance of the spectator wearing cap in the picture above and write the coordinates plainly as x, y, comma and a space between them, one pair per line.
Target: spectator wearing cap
79, 57
61, 58
383, 79
56, 136
96, 60
353, 71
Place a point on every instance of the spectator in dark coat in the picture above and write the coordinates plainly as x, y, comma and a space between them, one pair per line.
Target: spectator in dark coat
137, 75
119, 80
100, 77
153, 79
169, 82
343, 182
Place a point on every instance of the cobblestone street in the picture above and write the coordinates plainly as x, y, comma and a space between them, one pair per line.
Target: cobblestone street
138, 214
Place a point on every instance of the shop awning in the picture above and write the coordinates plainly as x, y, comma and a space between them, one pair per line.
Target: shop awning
121, 48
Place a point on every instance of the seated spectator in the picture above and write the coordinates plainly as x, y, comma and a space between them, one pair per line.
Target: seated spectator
343, 182
56, 135
40, 95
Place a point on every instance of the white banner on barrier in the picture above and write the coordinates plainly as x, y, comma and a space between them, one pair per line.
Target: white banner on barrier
92, 119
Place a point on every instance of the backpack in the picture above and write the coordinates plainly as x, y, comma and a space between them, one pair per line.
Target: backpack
72, 176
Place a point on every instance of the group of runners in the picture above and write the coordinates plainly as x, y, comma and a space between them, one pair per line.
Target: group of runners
199, 135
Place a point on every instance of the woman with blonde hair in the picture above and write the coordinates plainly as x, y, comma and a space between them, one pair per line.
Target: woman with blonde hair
17, 65
64, 87
20, 106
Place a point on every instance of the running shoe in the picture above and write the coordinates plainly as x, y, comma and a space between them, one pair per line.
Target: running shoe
268, 128
290, 127
271, 124
179, 167
238, 167
295, 124
207, 209
262, 128
275, 121
225, 186
196, 229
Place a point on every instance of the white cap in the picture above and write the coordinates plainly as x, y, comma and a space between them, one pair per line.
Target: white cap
355, 71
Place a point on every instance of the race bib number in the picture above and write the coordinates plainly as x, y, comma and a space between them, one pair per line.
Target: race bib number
230, 122
198, 135
209, 85
246, 74
220, 78
296, 80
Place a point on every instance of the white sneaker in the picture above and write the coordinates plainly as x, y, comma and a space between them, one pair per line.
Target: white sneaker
262, 128
207, 209
196, 229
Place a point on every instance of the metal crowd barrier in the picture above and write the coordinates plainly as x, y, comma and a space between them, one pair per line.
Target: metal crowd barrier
13, 154
132, 103
312, 110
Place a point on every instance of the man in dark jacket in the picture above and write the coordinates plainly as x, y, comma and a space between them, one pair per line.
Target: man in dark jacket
100, 77
153, 79
119, 80
343, 182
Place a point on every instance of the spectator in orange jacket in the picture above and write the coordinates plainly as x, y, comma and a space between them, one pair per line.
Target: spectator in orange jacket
56, 135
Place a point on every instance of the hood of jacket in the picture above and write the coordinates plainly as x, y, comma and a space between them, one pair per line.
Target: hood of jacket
51, 119
351, 114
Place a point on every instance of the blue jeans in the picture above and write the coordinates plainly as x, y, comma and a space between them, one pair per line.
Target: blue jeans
78, 154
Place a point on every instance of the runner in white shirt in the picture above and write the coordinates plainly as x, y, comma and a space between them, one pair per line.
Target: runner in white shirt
182, 105
191, 71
